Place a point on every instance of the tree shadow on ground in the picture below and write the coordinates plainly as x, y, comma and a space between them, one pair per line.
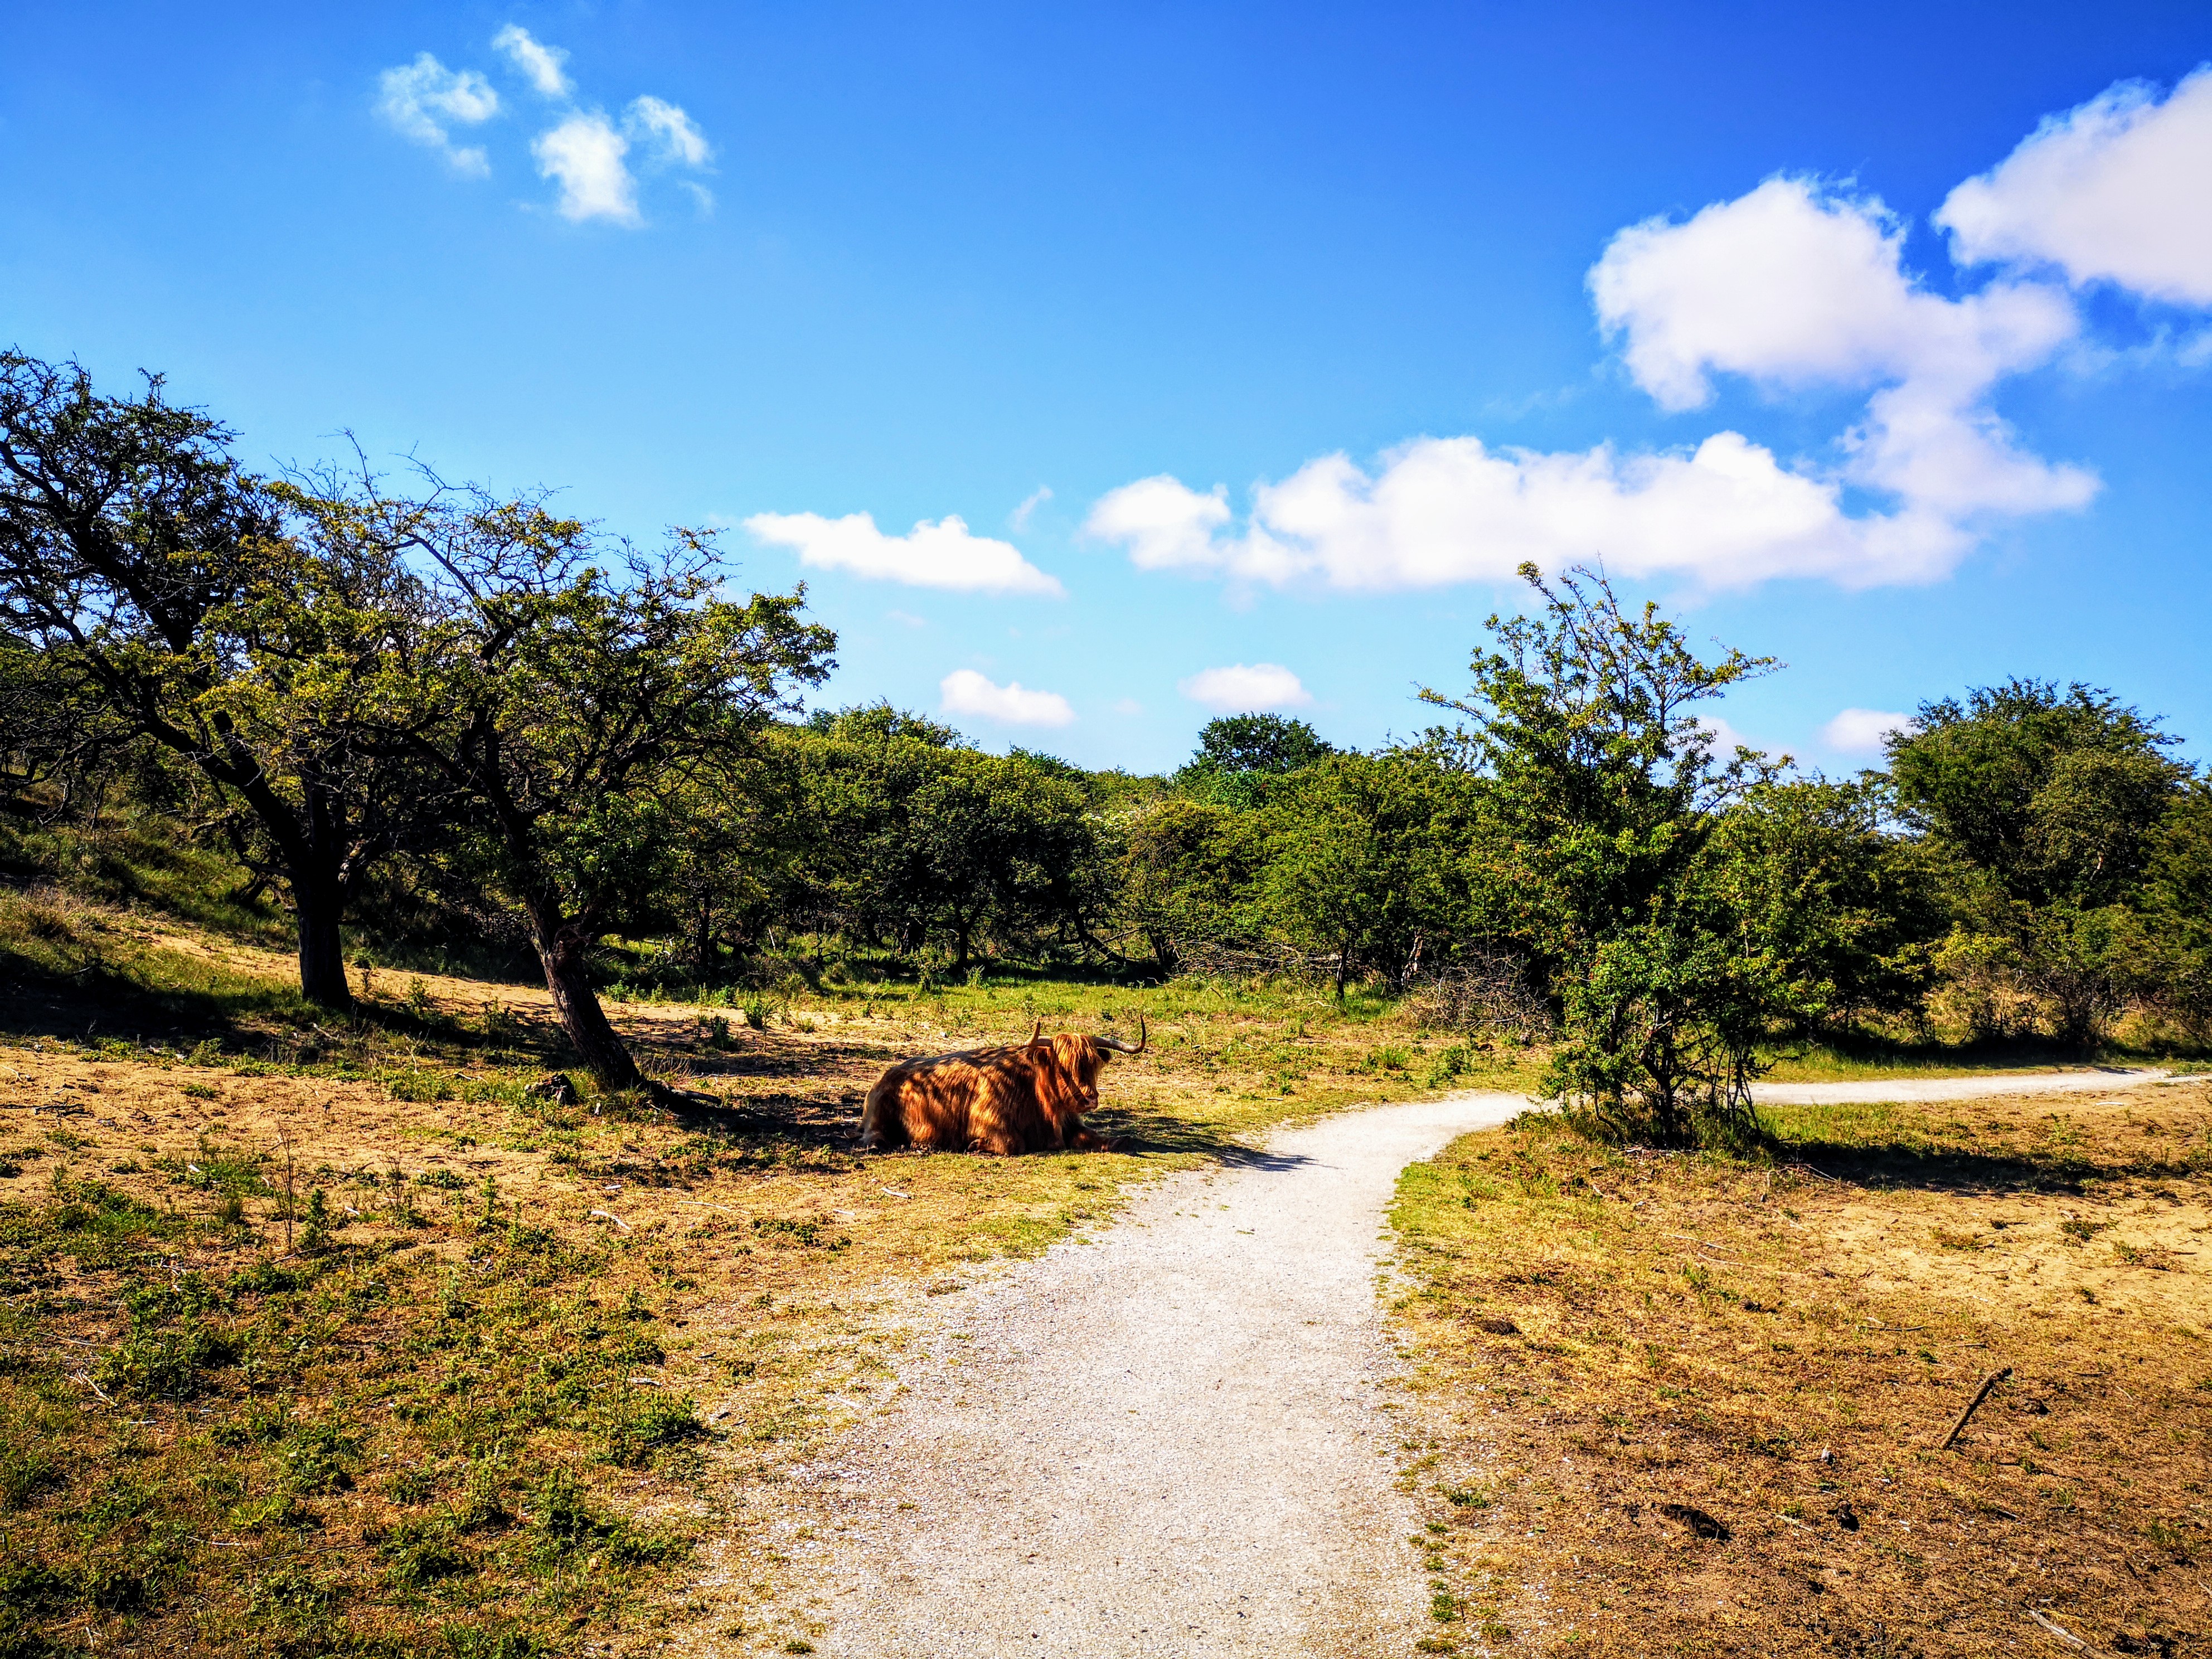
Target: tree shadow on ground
265, 1020
1982, 1171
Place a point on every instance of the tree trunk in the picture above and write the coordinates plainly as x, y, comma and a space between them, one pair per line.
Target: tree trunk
322, 949
577, 1005
1343, 969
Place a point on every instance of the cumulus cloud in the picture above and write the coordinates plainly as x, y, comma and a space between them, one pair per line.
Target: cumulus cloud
583, 154
1791, 287
675, 137
940, 555
2118, 190
965, 691
422, 101
1862, 730
540, 63
1243, 688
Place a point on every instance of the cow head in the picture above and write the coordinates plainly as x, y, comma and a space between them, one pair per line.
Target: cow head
1082, 1057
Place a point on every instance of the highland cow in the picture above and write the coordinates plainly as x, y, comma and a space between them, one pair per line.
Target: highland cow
1027, 1099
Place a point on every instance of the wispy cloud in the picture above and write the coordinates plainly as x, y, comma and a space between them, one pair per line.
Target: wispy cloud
1245, 688
540, 63
423, 99
674, 136
940, 555
585, 154
965, 691
1862, 731
1019, 518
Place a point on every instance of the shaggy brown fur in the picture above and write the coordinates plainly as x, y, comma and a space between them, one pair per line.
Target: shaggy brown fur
1030, 1099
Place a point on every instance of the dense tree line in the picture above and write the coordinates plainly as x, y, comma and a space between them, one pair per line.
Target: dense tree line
433, 706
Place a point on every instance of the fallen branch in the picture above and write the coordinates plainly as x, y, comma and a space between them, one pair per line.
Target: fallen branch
1974, 1406
612, 1216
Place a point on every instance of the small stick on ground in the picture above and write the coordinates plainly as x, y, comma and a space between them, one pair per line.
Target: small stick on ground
2057, 1630
1974, 1405
285, 1140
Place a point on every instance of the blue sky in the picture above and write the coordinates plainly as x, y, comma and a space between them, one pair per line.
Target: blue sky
1417, 290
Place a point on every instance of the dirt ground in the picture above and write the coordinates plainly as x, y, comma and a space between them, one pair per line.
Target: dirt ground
1662, 1404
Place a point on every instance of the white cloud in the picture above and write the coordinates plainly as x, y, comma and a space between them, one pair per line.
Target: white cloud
1861, 730
1443, 510
1164, 524
940, 555
2118, 190
1019, 518
423, 99
1790, 287
1126, 706
1793, 287
1244, 687
540, 62
967, 692
584, 154
674, 136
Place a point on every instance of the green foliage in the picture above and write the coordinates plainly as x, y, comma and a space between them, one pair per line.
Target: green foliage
1601, 865
918, 844
2051, 810
1241, 757
1359, 861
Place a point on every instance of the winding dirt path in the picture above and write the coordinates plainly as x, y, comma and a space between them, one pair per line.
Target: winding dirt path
1170, 1440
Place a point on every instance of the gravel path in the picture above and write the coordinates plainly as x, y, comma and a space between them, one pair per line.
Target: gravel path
1169, 1441
1165, 1442
2103, 1078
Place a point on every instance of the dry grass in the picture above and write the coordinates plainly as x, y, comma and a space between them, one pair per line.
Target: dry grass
1663, 1403
534, 1382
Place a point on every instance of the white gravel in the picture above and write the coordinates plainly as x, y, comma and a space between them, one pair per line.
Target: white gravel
2103, 1077
1165, 1442
1172, 1440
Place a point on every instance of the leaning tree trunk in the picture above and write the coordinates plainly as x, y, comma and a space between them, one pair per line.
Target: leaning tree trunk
561, 950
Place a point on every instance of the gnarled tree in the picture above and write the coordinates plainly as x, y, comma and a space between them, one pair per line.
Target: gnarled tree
578, 700
150, 570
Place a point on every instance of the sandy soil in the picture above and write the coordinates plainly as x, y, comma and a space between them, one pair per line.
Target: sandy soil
1172, 1439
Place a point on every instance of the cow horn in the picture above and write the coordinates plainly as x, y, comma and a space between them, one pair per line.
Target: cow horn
1034, 1031
1122, 1048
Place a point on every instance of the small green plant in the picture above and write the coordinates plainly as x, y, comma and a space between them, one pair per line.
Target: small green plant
315, 1234
419, 1086
419, 1006
1450, 1064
